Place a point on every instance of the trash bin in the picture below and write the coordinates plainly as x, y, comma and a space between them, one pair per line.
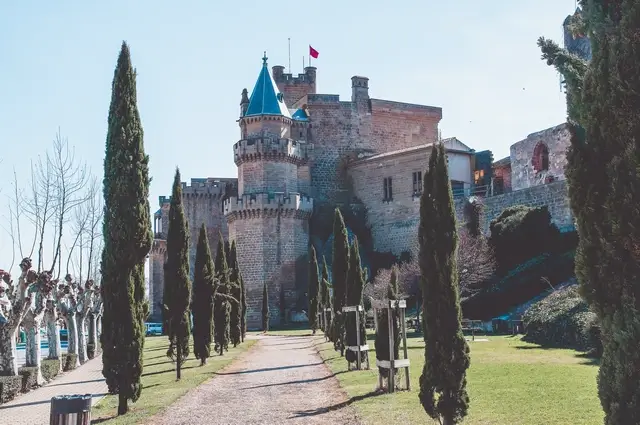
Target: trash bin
70, 409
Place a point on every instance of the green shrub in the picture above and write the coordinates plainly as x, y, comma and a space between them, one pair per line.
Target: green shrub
563, 319
9, 387
50, 368
29, 376
69, 362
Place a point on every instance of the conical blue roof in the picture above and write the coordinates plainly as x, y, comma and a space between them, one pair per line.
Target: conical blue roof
266, 99
300, 115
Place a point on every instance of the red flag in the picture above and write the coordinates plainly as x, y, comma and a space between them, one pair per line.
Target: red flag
313, 52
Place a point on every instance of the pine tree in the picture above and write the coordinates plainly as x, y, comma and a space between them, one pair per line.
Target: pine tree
382, 333
326, 296
203, 297
176, 277
603, 164
355, 286
265, 309
222, 303
443, 391
127, 238
339, 273
243, 303
314, 287
236, 292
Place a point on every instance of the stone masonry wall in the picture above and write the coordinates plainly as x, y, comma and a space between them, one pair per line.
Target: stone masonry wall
157, 258
394, 223
523, 174
265, 176
555, 195
269, 247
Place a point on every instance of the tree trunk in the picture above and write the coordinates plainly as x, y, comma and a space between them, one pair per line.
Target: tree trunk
8, 351
123, 406
203, 362
82, 338
33, 350
447, 420
72, 330
93, 332
53, 337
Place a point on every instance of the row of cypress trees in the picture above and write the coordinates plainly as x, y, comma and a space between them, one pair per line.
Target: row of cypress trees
218, 305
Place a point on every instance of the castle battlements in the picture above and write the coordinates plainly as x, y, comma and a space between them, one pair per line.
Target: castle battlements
268, 205
270, 148
210, 186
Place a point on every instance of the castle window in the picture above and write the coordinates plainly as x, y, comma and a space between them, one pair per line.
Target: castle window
478, 176
540, 160
388, 189
457, 188
417, 183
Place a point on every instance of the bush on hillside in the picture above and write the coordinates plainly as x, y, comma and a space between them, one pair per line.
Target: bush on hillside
563, 319
29, 377
50, 368
10, 386
528, 280
520, 233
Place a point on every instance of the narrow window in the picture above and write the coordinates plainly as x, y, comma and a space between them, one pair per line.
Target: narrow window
417, 182
388, 189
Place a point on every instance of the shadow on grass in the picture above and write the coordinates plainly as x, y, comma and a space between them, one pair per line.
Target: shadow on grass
160, 372
300, 381
157, 363
267, 369
323, 410
589, 358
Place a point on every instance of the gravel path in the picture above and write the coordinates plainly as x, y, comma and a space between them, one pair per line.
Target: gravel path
280, 379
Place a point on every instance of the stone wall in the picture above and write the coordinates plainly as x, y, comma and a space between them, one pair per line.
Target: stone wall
394, 222
270, 246
157, 258
294, 87
554, 195
524, 173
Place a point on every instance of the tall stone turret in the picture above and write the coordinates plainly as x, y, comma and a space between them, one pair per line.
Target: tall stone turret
269, 219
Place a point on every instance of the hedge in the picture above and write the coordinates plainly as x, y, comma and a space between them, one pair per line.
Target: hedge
10, 386
69, 362
563, 320
29, 376
50, 368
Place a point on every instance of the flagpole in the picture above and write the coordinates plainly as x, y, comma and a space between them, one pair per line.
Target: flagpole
289, 55
303, 63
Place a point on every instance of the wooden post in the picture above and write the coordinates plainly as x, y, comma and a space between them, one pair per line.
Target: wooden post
392, 361
404, 343
358, 360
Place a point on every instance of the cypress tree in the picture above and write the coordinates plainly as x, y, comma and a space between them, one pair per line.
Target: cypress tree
176, 277
222, 303
339, 273
382, 333
326, 295
603, 164
265, 309
314, 287
443, 391
236, 293
355, 286
203, 296
243, 303
127, 238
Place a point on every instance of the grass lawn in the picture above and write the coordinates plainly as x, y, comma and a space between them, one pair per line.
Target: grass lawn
510, 382
159, 380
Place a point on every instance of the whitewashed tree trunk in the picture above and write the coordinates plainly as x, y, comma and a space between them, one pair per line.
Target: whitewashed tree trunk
9, 329
8, 350
93, 331
72, 332
82, 337
53, 331
32, 326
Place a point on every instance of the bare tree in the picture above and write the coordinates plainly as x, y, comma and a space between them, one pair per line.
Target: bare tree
476, 263
70, 178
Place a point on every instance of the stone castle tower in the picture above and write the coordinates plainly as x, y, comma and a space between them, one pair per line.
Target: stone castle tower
269, 219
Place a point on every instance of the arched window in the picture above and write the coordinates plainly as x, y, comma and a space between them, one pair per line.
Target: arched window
540, 159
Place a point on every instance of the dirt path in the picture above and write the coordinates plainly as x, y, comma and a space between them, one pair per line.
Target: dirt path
280, 379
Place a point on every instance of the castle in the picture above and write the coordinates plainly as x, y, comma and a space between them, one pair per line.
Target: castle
300, 154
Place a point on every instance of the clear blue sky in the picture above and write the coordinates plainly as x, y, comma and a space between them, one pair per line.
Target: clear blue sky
477, 60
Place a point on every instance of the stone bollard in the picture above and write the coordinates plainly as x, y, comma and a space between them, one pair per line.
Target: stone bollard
70, 410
